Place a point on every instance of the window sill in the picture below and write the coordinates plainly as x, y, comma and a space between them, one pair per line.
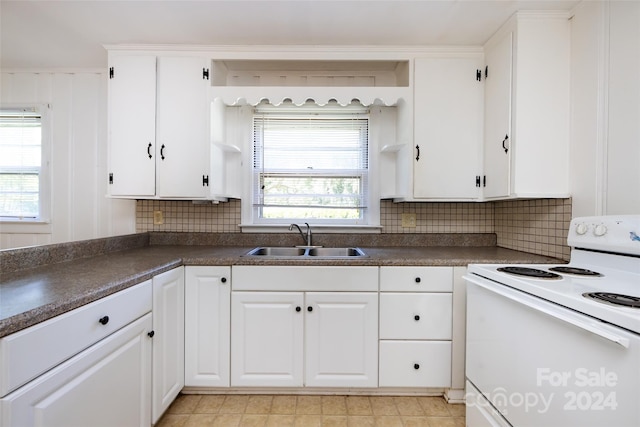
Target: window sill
320, 228
25, 227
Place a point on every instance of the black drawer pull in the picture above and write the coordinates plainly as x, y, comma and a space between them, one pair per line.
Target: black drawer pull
309, 308
223, 280
416, 317
151, 334
416, 366
104, 320
418, 280
298, 308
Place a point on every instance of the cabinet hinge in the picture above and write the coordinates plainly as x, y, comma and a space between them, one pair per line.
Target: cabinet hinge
111, 72
110, 178
205, 180
479, 75
486, 72
205, 73
477, 180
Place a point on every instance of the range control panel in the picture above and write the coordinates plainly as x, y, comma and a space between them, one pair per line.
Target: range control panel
615, 233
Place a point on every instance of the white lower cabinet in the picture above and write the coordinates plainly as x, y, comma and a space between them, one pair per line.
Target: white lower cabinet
341, 339
168, 340
106, 384
266, 343
312, 339
207, 327
415, 326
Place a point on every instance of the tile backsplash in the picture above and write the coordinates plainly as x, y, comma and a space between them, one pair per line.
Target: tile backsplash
537, 226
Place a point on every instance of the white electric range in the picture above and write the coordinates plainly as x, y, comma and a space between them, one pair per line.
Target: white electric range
559, 345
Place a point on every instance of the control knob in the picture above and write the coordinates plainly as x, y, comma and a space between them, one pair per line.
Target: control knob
582, 228
600, 230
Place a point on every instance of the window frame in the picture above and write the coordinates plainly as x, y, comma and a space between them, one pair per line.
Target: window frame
370, 222
43, 219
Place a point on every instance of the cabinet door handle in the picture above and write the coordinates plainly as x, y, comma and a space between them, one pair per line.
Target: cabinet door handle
418, 152
416, 366
149, 150
504, 146
162, 152
309, 309
223, 280
298, 308
151, 334
416, 317
418, 280
104, 320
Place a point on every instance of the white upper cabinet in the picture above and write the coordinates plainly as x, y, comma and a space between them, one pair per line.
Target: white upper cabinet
182, 114
132, 125
497, 75
159, 127
447, 127
526, 147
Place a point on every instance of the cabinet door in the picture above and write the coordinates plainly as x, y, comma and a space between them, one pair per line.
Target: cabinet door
266, 345
448, 128
182, 127
497, 108
132, 125
107, 385
341, 336
207, 327
168, 339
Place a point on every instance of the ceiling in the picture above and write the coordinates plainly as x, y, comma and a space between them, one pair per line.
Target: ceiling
70, 34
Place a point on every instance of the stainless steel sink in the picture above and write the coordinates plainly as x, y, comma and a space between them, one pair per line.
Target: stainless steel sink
335, 252
276, 251
316, 252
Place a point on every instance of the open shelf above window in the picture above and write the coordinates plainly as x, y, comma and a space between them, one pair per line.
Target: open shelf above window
314, 73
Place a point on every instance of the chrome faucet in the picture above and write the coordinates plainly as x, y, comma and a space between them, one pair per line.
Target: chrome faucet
307, 239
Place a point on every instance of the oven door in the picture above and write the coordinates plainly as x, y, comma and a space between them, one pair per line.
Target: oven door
541, 364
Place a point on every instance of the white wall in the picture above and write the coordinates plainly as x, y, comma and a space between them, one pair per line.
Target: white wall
605, 108
79, 208
623, 115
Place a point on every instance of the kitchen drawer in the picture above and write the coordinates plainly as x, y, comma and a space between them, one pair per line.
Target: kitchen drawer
305, 278
415, 364
415, 316
416, 279
28, 353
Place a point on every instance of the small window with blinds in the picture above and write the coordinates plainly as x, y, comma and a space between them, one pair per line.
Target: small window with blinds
20, 164
310, 163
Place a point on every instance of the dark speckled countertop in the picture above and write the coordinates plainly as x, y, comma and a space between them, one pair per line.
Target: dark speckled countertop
39, 283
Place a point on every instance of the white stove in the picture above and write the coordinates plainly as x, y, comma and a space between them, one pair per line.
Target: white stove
529, 324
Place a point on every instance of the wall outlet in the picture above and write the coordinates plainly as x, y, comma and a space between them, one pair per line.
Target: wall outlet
409, 220
158, 219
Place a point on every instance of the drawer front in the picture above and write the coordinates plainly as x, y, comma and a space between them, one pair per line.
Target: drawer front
28, 353
415, 364
416, 316
416, 279
305, 278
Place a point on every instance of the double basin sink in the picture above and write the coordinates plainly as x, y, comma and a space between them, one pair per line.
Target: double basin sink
295, 252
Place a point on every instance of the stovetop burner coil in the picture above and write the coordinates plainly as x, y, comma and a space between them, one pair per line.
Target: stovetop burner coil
530, 272
576, 271
615, 299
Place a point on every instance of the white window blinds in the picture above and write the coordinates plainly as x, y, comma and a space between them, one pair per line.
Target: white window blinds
310, 164
20, 163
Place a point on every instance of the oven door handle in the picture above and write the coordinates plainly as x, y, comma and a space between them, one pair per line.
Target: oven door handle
587, 326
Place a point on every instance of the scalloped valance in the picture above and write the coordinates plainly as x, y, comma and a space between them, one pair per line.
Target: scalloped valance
383, 96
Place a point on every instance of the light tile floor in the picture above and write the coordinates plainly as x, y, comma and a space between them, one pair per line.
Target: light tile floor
311, 411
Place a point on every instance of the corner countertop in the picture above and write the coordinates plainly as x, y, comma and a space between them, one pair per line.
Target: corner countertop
30, 296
